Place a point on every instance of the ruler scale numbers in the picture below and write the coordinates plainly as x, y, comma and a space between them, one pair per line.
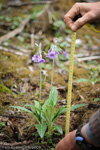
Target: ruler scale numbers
70, 82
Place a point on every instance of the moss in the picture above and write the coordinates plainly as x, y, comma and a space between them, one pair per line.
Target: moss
57, 78
10, 64
80, 72
4, 89
9, 82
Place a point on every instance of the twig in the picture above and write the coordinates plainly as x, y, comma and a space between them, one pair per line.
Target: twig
15, 144
86, 55
32, 39
94, 48
27, 35
32, 3
13, 116
5, 24
16, 31
13, 51
77, 111
3, 31
17, 48
88, 58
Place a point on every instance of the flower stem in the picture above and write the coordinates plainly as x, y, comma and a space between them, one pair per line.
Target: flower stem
52, 73
40, 83
40, 91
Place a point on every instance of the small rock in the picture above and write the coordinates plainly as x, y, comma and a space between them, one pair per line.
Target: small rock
78, 42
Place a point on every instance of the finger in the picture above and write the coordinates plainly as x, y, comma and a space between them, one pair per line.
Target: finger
74, 11
81, 21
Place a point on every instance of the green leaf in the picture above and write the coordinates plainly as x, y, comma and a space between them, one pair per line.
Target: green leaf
31, 106
97, 80
53, 96
8, 19
22, 108
44, 106
50, 111
83, 80
44, 116
0, 6
38, 114
92, 82
30, 127
37, 104
2, 124
63, 110
20, 38
77, 106
41, 128
59, 24
2, 17
63, 44
59, 129
95, 75
60, 111
97, 99
52, 148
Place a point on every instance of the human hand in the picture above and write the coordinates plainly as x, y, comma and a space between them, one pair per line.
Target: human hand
68, 142
90, 12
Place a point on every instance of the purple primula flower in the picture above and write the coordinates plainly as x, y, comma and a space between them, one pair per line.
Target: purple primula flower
38, 59
42, 60
52, 54
64, 53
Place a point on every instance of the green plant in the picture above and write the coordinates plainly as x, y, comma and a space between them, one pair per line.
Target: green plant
2, 124
2, 17
94, 74
16, 21
59, 24
37, 12
0, 6
44, 81
8, 19
47, 114
20, 38
97, 99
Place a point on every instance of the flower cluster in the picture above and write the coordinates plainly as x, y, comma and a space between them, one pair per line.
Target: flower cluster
38, 59
53, 52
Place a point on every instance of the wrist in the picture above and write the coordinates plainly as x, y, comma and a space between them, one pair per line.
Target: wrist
83, 141
87, 138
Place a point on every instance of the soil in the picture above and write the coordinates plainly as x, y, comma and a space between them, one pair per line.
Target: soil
19, 80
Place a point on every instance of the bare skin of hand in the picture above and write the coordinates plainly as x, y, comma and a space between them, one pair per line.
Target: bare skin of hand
68, 142
90, 12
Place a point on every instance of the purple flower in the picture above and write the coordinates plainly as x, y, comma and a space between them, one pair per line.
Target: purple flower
52, 54
42, 60
64, 53
38, 59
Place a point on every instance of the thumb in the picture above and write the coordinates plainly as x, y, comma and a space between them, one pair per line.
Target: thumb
81, 22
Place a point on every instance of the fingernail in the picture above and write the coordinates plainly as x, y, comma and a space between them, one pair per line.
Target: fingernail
74, 27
